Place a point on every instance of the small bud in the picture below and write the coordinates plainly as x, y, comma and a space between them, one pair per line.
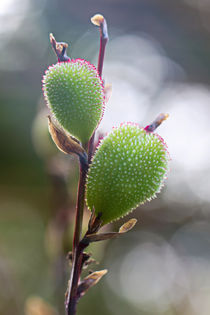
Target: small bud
74, 92
127, 226
100, 21
97, 19
156, 123
60, 49
128, 168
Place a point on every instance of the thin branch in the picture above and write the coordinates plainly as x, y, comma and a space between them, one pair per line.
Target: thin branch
79, 246
71, 299
80, 204
100, 21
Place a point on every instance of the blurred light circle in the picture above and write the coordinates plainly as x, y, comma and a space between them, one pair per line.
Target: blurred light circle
137, 68
12, 13
200, 185
193, 239
146, 275
192, 244
201, 4
187, 131
126, 103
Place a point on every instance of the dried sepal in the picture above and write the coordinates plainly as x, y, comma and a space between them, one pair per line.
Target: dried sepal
90, 281
89, 262
65, 142
94, 223
86, 259
100, 21
60, 49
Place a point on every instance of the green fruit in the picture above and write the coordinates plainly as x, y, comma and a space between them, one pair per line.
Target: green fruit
128, 169
75, 94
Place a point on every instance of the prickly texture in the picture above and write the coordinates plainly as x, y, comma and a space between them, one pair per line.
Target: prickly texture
75, 94
128, 169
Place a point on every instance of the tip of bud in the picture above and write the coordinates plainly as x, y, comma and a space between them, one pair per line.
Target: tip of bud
59, 48
97, 275
52, 38
157, 122
163, 117
127, 226
97, 19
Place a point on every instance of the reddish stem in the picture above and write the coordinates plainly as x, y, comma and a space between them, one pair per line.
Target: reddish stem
71, 299
103, 41
80, 205
78, 247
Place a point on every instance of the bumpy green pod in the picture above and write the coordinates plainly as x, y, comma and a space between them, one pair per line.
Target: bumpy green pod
75, 94
128, 169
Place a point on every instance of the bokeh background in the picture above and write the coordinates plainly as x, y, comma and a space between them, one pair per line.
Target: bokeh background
157, 60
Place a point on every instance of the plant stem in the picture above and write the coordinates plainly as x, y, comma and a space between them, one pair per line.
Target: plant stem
72, 298
103, 41
78, 247
80, 205
77, 252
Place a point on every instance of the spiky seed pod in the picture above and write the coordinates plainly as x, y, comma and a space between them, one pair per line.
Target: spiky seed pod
75, 94
128, 169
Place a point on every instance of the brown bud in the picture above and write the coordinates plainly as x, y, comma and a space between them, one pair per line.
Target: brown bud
97, 19
59, 48
100, 21
94, 223
127, 226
